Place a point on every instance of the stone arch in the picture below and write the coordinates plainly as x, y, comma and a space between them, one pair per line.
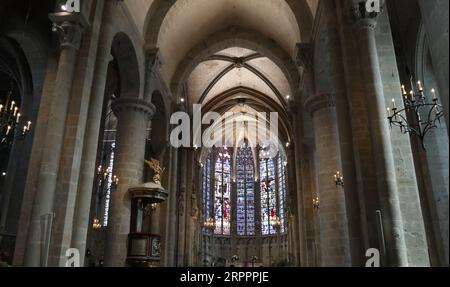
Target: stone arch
124, 53
160, 8
261, 102
14, 64
235, 37
15, 75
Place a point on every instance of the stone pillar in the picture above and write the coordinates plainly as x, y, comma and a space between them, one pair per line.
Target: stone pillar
133, 116
435, 18
171, 218
345, 138
380, 136
181, 207
305, 190
69, 28
334, 238
362, 148
69, 166
90, 146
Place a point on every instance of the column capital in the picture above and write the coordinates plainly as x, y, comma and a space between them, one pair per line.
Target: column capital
318, 102
362, 15
132, 104
304, 55
69, 27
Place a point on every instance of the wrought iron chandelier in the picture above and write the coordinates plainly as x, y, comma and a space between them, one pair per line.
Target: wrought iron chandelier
11, 122
419, 115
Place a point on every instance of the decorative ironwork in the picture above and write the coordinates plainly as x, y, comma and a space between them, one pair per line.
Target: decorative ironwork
419, 115
11, 121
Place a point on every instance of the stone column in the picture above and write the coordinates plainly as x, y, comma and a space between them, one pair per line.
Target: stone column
171, 218
181, 206
69, 28
435, 19
305, 190
380, 135
133, 116
90, 146
362, 148
345, 138
334, 237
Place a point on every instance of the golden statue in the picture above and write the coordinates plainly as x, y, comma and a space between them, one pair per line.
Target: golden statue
154, 165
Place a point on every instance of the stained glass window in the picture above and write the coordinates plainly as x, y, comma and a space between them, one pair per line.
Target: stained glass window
282, 190
206, 187
268, 193
222, 192
245, 206
109, 184
217, 189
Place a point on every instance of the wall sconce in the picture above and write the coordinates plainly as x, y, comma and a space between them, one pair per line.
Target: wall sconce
96, 225
339, 179
316, 203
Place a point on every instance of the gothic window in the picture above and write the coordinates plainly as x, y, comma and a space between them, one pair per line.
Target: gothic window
282, 191
271, 186
105, 177
222, 192
206, 187
268, 193
109, 180
245, 205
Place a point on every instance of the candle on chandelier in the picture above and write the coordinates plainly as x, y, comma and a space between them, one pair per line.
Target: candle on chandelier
8, 130
419, 84
29, 126
404, 90
18, 117
433, 92
388, 112
16, 109
12, 105
393, 104
1, 107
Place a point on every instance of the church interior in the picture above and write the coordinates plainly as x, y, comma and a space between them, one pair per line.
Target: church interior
128, 139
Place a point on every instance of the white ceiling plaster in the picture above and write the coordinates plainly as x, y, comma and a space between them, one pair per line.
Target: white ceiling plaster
241, 77
273, 73
202, 75
236, 52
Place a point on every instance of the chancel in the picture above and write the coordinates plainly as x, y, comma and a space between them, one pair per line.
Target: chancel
319, 133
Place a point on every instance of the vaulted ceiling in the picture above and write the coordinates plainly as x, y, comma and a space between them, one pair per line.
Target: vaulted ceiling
237, 67
261, 74
185, 23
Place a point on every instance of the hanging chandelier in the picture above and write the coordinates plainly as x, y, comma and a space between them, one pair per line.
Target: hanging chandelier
420, 114
11, 122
